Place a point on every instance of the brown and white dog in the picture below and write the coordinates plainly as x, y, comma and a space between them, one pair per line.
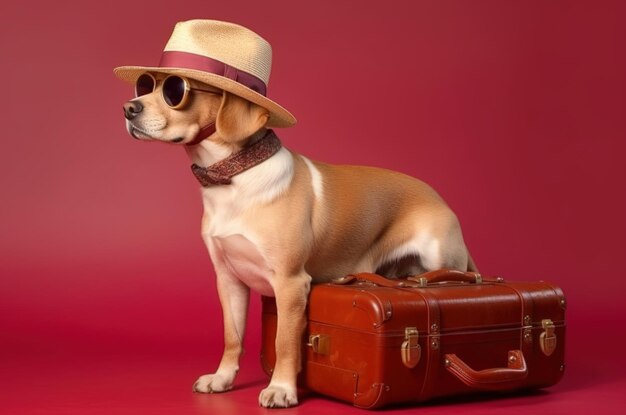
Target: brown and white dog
288, 222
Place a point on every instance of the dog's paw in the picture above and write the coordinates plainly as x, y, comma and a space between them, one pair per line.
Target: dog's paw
276, 396
212, 383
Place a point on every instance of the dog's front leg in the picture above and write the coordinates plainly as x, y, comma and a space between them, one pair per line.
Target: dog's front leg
234, 298
291, 298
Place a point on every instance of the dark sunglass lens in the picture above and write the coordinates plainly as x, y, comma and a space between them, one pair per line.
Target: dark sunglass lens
174, 90
144, 85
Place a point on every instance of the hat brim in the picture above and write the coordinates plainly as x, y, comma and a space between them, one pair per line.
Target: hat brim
278, 116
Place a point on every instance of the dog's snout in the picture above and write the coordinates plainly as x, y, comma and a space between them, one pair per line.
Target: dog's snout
132, 109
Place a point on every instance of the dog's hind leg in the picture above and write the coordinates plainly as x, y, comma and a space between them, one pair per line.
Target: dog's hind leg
471, 265
447, 252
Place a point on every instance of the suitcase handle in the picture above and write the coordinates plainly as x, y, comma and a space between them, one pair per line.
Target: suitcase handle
447, 275
375, 279
501, 378
422, 280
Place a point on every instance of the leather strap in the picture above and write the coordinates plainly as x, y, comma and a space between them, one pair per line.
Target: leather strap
433, 344
526, 319
418, 281
202, 134
223, 171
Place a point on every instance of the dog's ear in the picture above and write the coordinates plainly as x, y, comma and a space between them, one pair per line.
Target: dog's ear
238, 118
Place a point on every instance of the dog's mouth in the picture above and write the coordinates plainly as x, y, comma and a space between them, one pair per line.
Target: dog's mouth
138, 133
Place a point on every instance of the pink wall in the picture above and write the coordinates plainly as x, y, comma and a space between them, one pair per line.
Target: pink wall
513, 111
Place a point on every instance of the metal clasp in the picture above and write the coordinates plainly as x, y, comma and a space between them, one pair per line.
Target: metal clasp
547, 339
410, 350
319, 343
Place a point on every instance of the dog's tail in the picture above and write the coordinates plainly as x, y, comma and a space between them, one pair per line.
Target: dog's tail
471, 266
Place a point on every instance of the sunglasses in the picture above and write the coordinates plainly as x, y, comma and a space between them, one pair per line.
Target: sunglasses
175, 89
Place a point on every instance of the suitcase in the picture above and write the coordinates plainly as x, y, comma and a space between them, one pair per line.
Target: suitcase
372, 341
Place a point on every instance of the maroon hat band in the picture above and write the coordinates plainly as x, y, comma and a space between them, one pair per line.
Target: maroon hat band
175, 59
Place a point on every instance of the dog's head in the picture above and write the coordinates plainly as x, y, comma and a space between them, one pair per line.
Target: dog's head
151, 117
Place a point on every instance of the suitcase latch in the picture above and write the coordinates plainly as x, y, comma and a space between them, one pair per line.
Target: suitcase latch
547, 339
411, 350
319, 343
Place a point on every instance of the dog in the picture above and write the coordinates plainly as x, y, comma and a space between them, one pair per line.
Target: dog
274, 221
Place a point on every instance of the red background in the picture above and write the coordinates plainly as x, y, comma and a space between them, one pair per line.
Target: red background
512, 110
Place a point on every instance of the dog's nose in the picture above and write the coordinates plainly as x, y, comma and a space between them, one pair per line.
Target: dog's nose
132, 109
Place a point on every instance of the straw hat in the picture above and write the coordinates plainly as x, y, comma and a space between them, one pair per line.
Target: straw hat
221, 54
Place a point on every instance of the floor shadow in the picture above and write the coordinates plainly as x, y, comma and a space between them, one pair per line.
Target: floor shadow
488, 398
252, 383
583, 375
450, 402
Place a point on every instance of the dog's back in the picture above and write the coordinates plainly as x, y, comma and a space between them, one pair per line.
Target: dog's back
367, 219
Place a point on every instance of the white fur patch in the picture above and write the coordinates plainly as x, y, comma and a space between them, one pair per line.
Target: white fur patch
234, 244
316, 179
241, 258
223, 205
268, 180
430, 252
424, 245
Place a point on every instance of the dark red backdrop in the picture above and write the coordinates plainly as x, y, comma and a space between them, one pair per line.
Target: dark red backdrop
513, 111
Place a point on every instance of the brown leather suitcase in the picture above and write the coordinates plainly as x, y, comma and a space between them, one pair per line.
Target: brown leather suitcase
373, 341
